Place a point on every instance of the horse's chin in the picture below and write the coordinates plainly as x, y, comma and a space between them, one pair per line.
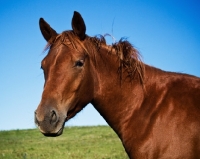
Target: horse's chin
52, 133
58, 133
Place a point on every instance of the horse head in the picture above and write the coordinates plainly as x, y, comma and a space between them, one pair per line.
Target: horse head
68, 84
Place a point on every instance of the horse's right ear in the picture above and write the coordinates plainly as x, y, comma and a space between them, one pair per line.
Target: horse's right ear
46, 30
78, 25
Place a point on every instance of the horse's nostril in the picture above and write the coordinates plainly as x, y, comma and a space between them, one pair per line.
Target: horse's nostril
53, 117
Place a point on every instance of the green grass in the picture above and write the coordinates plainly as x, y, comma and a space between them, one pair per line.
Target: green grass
99, 142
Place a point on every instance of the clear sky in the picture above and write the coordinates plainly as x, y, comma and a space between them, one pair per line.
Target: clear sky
166, 32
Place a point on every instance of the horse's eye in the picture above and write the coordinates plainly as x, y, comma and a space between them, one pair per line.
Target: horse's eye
79, 63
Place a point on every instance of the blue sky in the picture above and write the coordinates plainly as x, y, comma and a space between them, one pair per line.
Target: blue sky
166, 32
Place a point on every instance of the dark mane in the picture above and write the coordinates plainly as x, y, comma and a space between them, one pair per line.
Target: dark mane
129, 57
129, 60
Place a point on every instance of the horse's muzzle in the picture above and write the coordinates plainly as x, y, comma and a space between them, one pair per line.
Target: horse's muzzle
51, 123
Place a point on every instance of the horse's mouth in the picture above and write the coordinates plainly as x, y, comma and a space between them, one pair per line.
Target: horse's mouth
58, 133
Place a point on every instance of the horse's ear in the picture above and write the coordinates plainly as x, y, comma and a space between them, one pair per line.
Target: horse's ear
46, 30
78, 25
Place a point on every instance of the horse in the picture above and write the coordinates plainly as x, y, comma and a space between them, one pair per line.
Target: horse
155, 113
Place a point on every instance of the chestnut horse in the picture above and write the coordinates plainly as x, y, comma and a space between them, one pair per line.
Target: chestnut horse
155, 113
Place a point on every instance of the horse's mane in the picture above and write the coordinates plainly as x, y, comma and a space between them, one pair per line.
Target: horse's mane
129, 57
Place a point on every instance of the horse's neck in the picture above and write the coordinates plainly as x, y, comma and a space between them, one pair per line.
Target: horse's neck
113, 97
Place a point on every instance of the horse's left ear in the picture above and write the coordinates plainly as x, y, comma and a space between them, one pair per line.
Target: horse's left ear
78, 25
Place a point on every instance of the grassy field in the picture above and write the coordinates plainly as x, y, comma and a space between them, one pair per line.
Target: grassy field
99, 142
